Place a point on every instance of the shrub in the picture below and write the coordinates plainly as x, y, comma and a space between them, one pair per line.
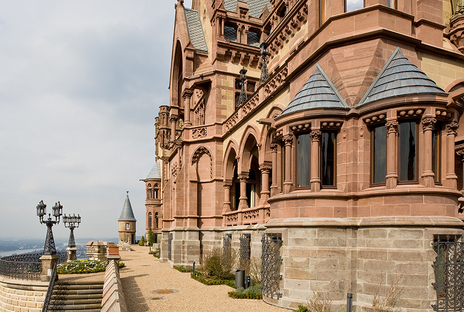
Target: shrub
181, 268
155, 253
220, 263
302, 309
386, 302
319, 303
142, 241
253, 292
150, 237
213, 281
122, 264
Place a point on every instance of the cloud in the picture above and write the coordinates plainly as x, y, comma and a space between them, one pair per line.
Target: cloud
80, 85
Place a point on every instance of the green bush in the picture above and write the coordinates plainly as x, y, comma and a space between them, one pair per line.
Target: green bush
181, 268
302, 308
252, 292
213, 281
150, 237
122, 264
142, 241
155, 253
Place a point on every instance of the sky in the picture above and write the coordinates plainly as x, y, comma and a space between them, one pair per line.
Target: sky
81, 82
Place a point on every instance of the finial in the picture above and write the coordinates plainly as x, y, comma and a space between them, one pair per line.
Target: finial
127, 193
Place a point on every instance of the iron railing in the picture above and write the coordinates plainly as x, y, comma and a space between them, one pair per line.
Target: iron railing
245, 250
271, 262
51, 285
449, 274
25, 266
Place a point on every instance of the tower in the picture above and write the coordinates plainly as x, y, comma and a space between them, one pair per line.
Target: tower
154, 214
127, 223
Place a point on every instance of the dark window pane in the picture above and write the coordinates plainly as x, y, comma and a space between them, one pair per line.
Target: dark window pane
436, 157
303, 160
230, 33
379, 154
407, 152
328, 158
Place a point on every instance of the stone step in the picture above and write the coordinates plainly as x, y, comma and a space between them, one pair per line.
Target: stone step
68, 296
87, 310
75, 302
81, 307
79, 286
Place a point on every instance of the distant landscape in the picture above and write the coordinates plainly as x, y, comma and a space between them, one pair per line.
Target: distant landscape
19, 246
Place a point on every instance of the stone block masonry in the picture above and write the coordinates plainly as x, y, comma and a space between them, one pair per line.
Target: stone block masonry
21, 295
113, 295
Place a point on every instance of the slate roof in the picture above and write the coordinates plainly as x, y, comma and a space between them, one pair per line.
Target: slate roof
399, 77
155, 172
195, 30
255, 7
127, 214
317, 92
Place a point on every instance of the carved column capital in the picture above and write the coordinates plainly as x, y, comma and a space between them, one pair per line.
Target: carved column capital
243, 176
315, 135
288, 140
392, 126
265, 168
460, 152
187, 94
428, 123
173, 118
273, 147
452, 127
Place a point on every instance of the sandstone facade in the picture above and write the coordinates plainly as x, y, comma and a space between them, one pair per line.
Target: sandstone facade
349, 151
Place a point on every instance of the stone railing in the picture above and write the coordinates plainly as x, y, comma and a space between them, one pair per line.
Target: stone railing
113, 295
256, 215
21, 295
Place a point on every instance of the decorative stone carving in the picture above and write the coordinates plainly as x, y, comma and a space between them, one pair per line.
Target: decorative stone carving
200, 113
199, 133
288, 139
392, 126
452, 127
315, 135
428, 123
198, 153
251, 215
174, 170
375, 119
232, 121
276, 81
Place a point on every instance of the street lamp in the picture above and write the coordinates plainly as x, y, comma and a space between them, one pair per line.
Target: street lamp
264, 55
49, 247
71, 222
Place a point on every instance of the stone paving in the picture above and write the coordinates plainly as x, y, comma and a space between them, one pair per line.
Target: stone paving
150, 285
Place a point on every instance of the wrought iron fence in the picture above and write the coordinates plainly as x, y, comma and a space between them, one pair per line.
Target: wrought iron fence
271, 262
449, 273
25, 266
245, 250
51, 285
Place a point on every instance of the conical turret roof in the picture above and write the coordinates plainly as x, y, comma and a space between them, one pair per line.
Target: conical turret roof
400, 77
155, 172
127, 214
317, 92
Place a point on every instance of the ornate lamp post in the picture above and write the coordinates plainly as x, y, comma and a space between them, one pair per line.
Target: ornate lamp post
264, 55
49, 257
243, 96
71, 222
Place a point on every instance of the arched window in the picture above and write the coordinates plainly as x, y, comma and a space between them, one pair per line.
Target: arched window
150, 220
156, 220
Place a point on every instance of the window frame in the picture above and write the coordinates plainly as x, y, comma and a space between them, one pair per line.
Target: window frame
334, 185
297, 186
346, 6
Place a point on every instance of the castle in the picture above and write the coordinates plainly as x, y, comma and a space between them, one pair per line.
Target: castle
321, 136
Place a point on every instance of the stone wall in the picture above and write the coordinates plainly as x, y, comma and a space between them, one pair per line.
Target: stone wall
113, 294
22, 295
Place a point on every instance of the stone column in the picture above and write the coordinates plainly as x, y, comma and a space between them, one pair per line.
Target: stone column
450, 150
274, 187
391, 180
315, 161
187, 97
427, 127
48, 262
173, 120
243, 177
227, 205
265, 170
288, 140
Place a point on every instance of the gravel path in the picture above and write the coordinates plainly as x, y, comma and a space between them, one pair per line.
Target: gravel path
150, 285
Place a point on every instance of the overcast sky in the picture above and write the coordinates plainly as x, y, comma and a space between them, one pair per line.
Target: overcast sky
80, 85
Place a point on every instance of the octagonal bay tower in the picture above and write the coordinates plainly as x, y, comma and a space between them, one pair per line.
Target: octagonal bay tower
127, 223
331, 156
